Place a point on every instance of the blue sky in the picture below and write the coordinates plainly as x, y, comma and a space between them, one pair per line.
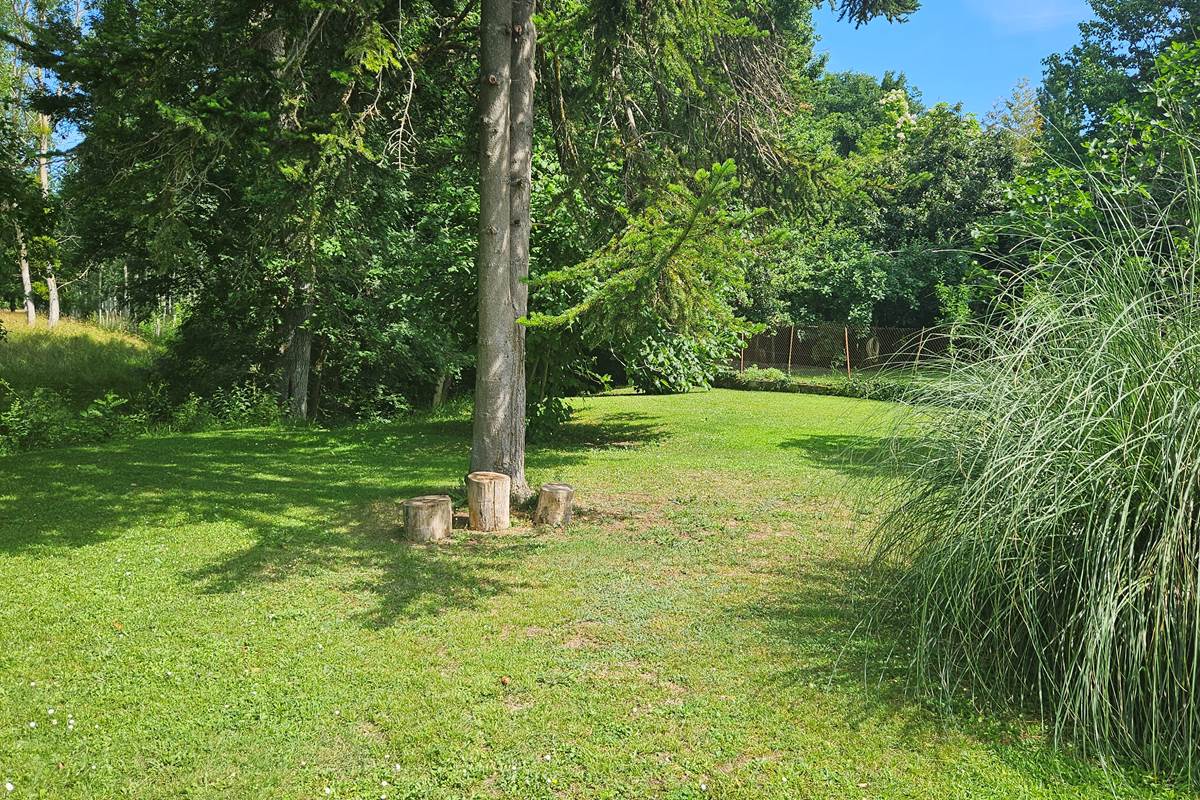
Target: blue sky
972, 51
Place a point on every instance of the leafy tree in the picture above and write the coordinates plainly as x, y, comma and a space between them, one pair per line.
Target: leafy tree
661, 293
1020, 116
1116, 55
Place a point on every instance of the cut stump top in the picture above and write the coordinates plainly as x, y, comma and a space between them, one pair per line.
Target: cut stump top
427, 500
488, 476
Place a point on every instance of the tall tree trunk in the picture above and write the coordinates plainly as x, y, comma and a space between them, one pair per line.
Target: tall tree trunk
26, 278
315, 382
521, 94
492, 446
44, 180
297, 355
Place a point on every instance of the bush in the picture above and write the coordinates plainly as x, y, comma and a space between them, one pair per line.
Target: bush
868, 387
42, 418
873, 387
45, 418
1047, 525
666, 364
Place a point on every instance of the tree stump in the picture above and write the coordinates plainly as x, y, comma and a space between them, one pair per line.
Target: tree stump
429, 518
554, 505
487, 500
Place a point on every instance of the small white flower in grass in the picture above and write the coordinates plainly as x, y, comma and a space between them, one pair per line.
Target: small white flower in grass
54, 722
703, 786
8, 786
50, 712
396, 767
383, 783
32, 724
328, 790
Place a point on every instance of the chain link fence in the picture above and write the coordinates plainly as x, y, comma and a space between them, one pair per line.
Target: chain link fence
830, 346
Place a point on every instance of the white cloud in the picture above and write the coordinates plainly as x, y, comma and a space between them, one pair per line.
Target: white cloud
1030, 16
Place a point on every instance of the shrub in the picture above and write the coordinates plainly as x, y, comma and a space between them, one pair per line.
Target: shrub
869, 387
42, 418
670, 364
1047, 526
873, 387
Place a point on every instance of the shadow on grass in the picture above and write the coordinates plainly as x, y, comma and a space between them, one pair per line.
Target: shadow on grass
312, 501
624, 430
829, 623
852, 455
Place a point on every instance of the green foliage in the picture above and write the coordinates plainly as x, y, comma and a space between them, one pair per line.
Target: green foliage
660, 293
675, 364
80, 361
1136, 172
891, 243
43, 418
891, 386
1113, 61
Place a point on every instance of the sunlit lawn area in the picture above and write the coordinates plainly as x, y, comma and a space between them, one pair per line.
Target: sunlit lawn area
234, 615
80, 360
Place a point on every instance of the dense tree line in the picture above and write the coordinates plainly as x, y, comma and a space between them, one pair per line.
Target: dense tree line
289, 193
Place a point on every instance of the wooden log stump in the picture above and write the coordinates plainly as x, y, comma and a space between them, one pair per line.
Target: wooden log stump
554, 505
487, 500
428, 519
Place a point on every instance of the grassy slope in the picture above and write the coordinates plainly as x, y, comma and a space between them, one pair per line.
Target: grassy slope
231, 615
80, 360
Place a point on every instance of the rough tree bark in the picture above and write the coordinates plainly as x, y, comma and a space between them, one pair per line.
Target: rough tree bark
297, 358
494, 446
429, 519
554, 505
521, 94
488, 495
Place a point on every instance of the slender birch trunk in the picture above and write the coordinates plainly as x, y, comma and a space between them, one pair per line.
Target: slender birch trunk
52, 293
44, 180
26, 278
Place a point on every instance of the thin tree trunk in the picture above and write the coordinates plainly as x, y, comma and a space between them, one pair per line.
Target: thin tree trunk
521, 96
26, 278
492, 445
52, 291
45, 128
44, 180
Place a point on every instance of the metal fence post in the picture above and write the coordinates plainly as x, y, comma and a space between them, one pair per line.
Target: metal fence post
846, 331
791, 341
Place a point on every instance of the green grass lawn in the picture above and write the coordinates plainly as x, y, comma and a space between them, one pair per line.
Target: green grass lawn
233, 615
78, 359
